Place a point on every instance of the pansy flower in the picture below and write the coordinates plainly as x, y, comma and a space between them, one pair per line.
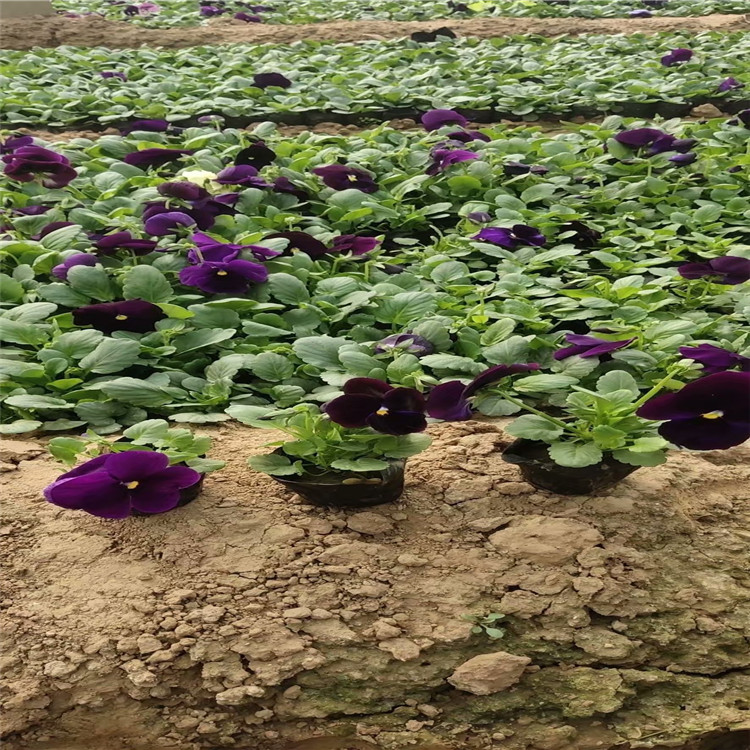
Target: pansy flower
451, 401
479, 217
682, 160
285, 185
11, 143
214, 250
301, 241
442, 158
116, 484
109, 244
113, 74
729, 269
405, 342
512, 168
155, 157
264, 80
640, 137
437, 118
368, 402
167, 222
467, 136
53, 226
715, 359
224, 277
134, 315
79, 259
583, 235
243, 174
25, 163
729, 84
589, 346
208, 11
354, 244
510, 238
676, 56
33, 210
184, 191
341, 177
712, 413
257, 155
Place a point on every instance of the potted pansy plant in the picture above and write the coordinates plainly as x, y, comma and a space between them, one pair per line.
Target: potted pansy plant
349, 453
151, 469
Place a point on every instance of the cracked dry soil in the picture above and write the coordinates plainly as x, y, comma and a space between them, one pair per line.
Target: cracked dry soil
252, 621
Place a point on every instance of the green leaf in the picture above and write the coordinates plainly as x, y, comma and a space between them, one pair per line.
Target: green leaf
200, 417
136, 392
707, 214
544, 383
31, 312
147, 431
252, 415
204, 337
10, 289
401, 367
175, 311
648, 444
508, 352
409, 445
15, 332
608, 438
287, 288
633, 458
19, 426
205, 465
272, 367
320, 351
495, 633
450, 271
62, 294
575, 455
77, 344
402, 309
533, 427
273, 464
92, 281
452, 362
111, 355
497, 332
359, 464
538, 192
147, 283
61, 239
37, 402
617, 380
492, 405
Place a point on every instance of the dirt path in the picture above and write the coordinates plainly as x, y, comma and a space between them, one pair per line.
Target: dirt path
92, 31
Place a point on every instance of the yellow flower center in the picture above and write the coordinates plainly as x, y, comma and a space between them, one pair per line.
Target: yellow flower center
221, 273
121, 317
131, 485
713, 414
351, 177
382, 412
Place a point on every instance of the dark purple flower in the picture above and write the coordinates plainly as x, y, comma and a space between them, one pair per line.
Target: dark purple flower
663, 143
111, 243
26, 162
11, 143
52, 227
682, 160
248, 18
640, 14
243, 175
340, 177
152, 126
437, 118
113, 74
115, 484
589, 346
155, 157
712, 413
368, 402
735, 169
211, 120
584, 235
729, 269
257, 155
744, 117
516, 167
405, 342
730, 83
184, 191
354, 244
264, 80
79, 259
214, 250
639, 137
33, 210
284, 185
715, 359
442, 158
479, 217
518, 234
167, 222
450, 401
224, 277
134, 315
676, 56
467, 136
211, 10
301, 241
683, 145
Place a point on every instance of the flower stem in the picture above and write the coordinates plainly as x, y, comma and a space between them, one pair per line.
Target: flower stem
671, 372
538, 412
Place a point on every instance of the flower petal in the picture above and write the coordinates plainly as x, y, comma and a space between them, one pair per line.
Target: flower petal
448, 401
352, 410
96, 493
397, 422
404, 399
130, 466
367, 387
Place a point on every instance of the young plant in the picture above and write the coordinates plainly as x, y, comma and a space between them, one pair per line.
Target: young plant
487, 624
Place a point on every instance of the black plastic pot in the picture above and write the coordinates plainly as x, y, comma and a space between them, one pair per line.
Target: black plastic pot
186, 497
350, 489
539, 470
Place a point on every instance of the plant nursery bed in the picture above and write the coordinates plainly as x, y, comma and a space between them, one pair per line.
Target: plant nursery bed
248, 619
90, 31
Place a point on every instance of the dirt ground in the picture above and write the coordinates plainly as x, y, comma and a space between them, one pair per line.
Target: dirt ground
250, 620
90, 31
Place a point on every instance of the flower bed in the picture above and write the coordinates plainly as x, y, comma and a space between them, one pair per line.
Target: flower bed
518, 77
167, 13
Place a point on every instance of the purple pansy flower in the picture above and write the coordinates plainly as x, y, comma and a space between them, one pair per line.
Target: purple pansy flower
354, 244
675, 56
166, 222
26, 162
368, 402
244, 175
479, 217
155, 157
115, 484
257, 155
450, 401
113, 74
682, 160
442, 158
79, 259
639, 137
589, 346
52, 227
33, 210
404, 342
285, 185
729, 269
512, 168
15, 141
248, 18
152, 126
467, 136
584, 235
712, 413
224, 277
111, 243
518, 234
730, 83
184, 191
214, 250
264, 80
134, 315
437, 118
301, 241
715, 359
341, 177
209, 11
